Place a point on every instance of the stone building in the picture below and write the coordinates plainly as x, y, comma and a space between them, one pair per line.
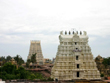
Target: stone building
47, 61
74, 59
35, 47
101, 67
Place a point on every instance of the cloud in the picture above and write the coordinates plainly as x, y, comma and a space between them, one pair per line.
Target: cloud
22, 21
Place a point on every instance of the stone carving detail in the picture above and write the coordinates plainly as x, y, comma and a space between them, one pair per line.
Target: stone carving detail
74, 59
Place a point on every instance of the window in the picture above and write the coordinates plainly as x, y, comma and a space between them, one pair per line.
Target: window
77, 65
75, 43
78, 74
65, 43
76, 57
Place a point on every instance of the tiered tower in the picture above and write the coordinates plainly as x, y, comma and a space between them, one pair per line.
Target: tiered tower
35, 47
74, 59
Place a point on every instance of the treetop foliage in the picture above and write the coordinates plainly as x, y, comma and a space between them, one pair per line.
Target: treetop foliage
17, 58
9, 71
106, 61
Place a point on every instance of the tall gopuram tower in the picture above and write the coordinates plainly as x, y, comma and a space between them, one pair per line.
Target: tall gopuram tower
35, 47
74, 59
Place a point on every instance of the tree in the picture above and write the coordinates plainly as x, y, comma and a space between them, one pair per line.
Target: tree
3, 60
18, 59
23, 74
28, 62
9, 68
9, 71
8, 58
33, 58
105, 62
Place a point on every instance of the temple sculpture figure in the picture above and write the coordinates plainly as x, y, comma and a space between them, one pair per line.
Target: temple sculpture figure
74, 59
35, 48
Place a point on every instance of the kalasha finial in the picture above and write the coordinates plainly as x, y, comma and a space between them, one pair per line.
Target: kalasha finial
65, 33
69, 32
73, 32
84, 33
77, 32
61, 32
80, 33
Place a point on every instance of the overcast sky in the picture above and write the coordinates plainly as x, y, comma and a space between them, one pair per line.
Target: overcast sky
25, 20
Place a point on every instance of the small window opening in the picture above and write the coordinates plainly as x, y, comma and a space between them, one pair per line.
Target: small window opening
75, 43
76, 48
77, 74
76, 57
77, 65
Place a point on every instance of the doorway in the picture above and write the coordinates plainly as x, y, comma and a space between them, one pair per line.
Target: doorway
78, 74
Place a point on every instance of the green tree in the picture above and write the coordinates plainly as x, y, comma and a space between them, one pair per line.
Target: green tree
9, 68
16, 58
32, 76
19, 60
9, 71
8, 58
106, 61
33, 58
3, 60
28, 62
23, 74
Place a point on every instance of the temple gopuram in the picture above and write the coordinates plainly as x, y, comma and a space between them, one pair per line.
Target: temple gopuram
74, 59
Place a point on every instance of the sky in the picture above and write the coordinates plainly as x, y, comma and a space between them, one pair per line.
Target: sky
25, 20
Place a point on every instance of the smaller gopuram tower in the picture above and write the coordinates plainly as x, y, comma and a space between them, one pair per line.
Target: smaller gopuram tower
74, 59
35, 47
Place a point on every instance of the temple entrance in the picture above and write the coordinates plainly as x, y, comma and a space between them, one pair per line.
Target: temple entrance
78, 74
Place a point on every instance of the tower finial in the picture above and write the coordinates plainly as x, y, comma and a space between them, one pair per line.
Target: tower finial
85, 33
69, 32
61, 32
65, 33
73, 32
80, 33
77, 32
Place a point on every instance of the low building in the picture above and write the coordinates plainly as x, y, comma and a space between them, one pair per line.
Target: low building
47, 61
